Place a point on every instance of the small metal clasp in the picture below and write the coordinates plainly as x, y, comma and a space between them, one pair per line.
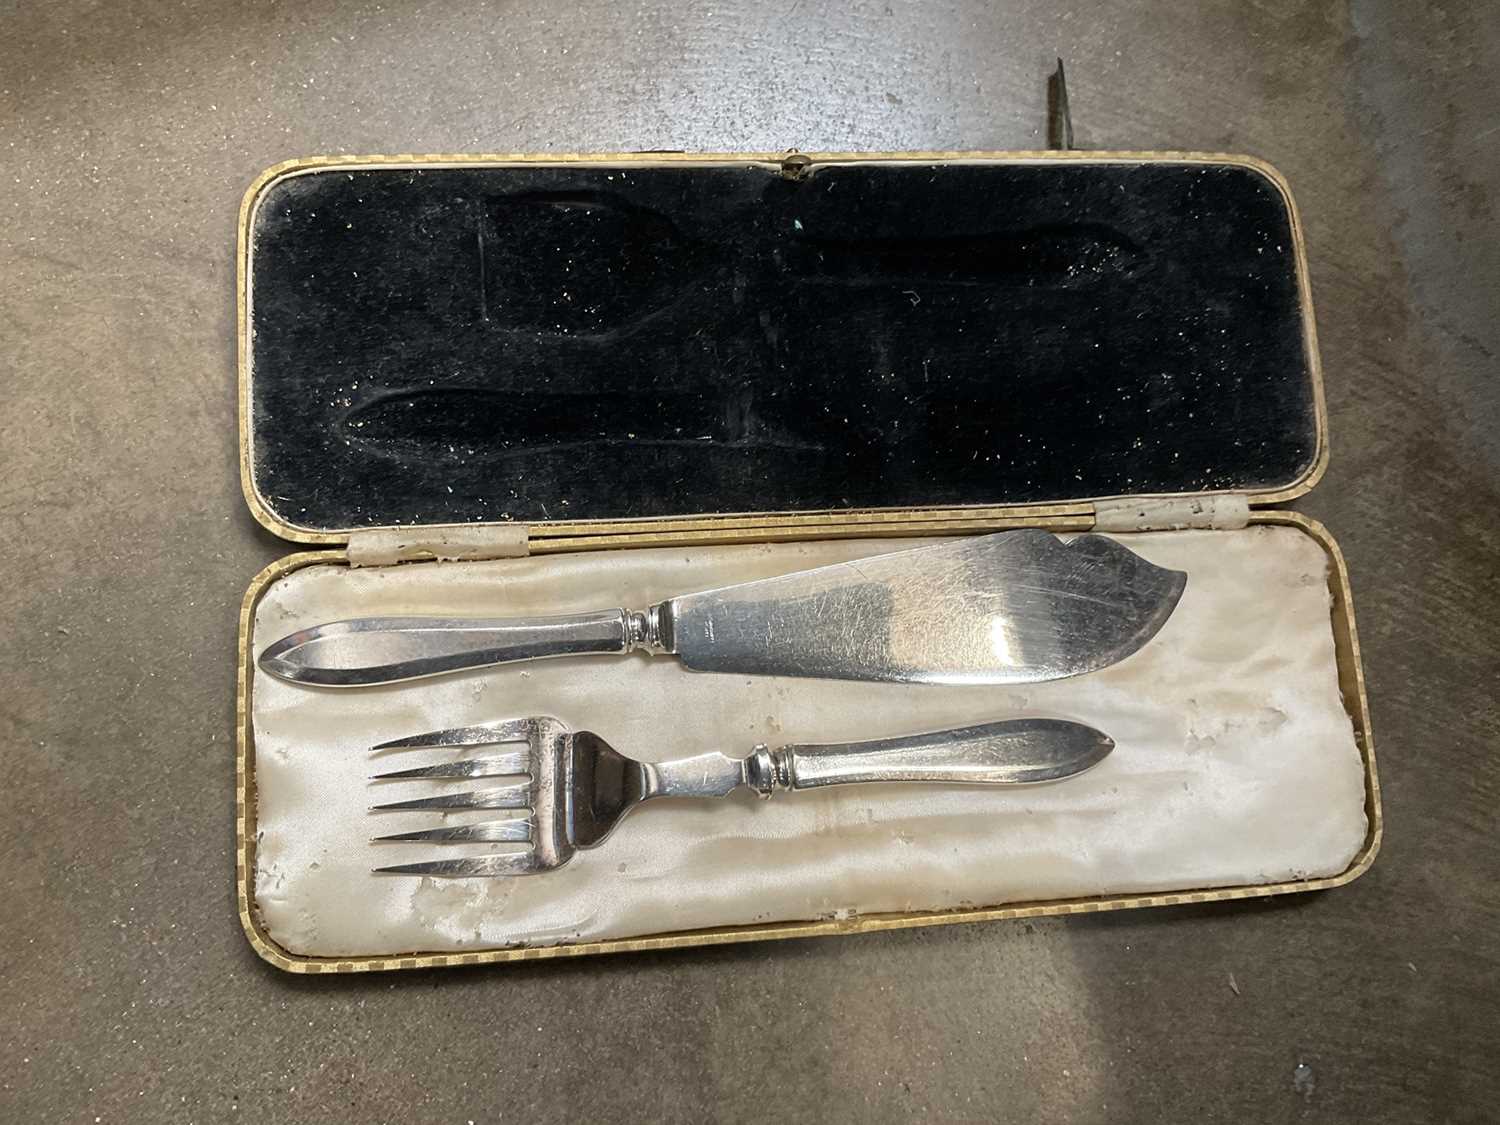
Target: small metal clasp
795, 165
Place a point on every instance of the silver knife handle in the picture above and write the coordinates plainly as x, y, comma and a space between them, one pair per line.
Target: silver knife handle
377, 650
504, 640
1004, 753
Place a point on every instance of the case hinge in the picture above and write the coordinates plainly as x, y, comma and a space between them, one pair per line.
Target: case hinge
382, 546
1227, 512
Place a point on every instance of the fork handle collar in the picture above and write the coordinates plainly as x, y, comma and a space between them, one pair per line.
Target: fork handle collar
716, 775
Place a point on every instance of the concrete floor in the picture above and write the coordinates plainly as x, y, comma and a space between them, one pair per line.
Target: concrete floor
128, 133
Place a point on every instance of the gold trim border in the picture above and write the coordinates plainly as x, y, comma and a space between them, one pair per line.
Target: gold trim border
695, 528
1351, 683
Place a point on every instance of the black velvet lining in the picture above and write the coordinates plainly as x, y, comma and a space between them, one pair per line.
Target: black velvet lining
581, 342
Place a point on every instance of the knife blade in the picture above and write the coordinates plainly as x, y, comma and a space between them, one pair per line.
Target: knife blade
1012, 607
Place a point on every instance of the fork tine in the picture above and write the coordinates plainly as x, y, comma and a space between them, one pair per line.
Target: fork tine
516, 863
516, 831
515, 796
496, 765
507, 730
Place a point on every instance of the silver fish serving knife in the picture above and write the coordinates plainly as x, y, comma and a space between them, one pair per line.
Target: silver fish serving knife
1013, 607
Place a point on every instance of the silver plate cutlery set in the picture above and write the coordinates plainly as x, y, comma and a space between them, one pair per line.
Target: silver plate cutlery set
1009, 608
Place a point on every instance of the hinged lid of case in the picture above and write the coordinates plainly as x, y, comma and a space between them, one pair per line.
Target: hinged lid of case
555, 340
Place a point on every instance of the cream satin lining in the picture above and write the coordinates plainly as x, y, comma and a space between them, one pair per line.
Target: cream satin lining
1235, 762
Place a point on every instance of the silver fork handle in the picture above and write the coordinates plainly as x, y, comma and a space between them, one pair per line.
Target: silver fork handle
1013, 752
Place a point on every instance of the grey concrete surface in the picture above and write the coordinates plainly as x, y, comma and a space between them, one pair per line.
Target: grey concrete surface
128, 132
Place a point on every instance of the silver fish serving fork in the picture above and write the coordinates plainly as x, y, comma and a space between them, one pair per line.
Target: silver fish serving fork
576, 788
